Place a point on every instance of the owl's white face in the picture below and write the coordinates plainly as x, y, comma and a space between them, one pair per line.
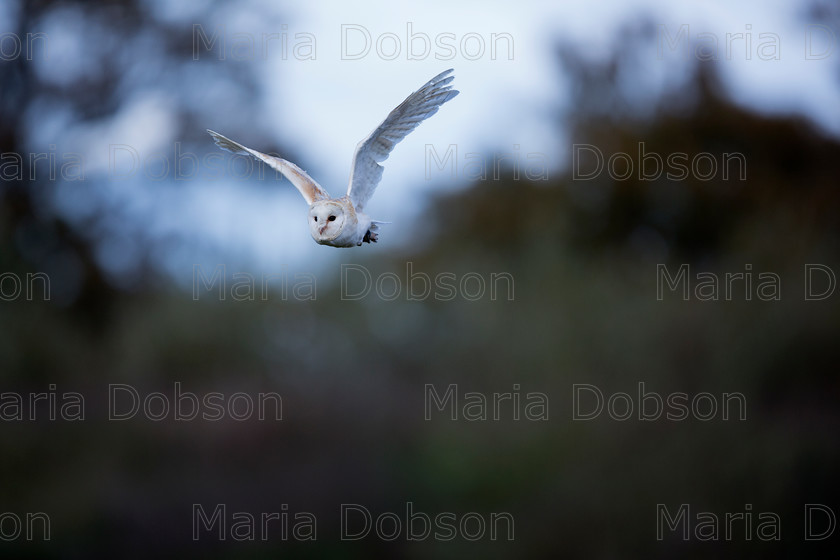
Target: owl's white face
326, 220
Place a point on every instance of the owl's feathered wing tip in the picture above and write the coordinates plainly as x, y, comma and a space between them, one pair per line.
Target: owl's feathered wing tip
226, 143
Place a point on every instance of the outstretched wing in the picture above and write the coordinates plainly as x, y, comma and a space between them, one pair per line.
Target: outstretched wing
307, 186
375, 149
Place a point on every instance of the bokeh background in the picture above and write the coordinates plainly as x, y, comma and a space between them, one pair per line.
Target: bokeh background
120, 244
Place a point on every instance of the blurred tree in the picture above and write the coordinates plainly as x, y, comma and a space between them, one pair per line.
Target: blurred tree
90, 60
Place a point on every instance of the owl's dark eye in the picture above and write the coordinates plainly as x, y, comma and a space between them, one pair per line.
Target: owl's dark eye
331, 218
315, 218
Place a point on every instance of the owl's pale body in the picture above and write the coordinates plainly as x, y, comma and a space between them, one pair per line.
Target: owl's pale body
341, 222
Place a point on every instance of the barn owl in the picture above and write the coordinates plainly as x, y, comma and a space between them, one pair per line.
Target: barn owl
341, 222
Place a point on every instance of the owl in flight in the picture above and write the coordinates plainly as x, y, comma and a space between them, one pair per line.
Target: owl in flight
341, 222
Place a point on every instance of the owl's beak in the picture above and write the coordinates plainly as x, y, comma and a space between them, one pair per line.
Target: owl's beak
322, 228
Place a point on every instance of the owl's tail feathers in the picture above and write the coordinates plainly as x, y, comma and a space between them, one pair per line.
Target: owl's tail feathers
228, 144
